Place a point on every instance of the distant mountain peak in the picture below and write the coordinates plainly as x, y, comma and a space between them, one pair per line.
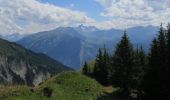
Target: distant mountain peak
75, 45
86, 29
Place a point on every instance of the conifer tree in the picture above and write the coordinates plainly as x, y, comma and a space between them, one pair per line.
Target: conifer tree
107, 67
142, 57
162, 47
152, 77
85, 69
101, 71
168, 45
167, 69
155, 82
98, 67
124, 66
140, 65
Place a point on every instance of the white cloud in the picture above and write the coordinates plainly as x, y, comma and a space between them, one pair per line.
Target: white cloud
128, 13
31, 16
27, 16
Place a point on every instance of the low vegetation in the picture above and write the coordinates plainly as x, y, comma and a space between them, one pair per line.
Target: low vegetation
65, 86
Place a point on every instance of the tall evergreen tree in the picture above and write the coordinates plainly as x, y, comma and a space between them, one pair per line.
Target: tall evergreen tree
156, 78
150, 82
107, 67
142, 57
98, 67
124, 66
167, 69
162, 47
140, 66
168, 45
101, 67
85, 69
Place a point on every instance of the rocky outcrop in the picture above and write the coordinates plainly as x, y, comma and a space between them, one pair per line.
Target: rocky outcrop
21, 66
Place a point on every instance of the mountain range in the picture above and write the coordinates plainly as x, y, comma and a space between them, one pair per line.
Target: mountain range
24, 67
74, 45
13, 37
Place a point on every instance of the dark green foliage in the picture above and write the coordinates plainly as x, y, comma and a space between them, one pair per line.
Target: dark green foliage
168, 52
108, 68
142, 58
135, 72
156, 81
47, 91
140, 67
101, 68
154, 54
168, 46
124, 70
167, 83
150, 80
98, 67
124, 66
162, 47
85, 69
168, 35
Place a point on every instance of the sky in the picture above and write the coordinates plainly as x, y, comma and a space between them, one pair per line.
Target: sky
31, 16
90, 7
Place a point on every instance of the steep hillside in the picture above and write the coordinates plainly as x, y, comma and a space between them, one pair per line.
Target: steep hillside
21, 66
13, 37
65, 86
63, 44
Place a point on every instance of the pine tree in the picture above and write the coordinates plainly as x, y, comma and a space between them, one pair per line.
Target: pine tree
167, 66
98, 67
101, 72
155, 82
107, 67
154, 54
162, 47
85, 70
151, 80
168, 45
140, 63
124, 66
142, 57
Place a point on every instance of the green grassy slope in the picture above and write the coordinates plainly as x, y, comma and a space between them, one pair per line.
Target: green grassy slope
65, 86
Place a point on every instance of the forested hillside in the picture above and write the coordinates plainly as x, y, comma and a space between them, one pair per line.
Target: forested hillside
137, 74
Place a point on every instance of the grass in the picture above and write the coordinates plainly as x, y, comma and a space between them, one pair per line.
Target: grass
65, 86
10, 92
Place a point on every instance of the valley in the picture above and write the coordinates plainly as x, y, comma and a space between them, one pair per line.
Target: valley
84, 49
73, 46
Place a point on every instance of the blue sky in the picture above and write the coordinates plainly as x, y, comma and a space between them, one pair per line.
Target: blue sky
91, 7
31, 16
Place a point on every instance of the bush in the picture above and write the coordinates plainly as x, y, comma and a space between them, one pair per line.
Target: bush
47, 92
